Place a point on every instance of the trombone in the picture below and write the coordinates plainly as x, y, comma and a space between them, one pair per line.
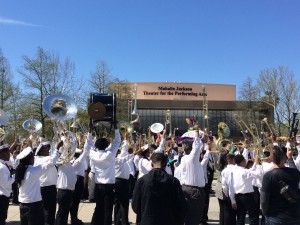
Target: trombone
254, 133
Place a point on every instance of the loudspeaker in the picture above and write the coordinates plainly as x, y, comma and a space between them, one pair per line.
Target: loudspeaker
102, 107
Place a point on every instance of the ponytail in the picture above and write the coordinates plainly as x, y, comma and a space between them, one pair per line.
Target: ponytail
21, 169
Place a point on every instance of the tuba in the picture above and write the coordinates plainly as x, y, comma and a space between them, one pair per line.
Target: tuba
223, 133
3, 122
33, 126
61, 108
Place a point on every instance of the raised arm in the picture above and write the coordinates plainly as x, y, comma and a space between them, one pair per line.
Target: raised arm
195, 153
124, 148
116, 143
161, 146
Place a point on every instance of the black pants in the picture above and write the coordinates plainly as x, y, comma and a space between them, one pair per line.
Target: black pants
15, 191
49, 203
78, 191
227, 213
31, 213
246, 202
4, 202
207, 188
121, 202
131, 185
195, 202
104, 194
64, 201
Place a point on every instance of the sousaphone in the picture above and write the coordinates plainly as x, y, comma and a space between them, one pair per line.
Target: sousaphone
61, 108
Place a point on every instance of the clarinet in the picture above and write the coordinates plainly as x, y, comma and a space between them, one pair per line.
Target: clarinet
294, 127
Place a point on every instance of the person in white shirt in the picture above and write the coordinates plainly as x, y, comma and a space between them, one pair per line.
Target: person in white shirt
79, 165
122, 185
48, 181
14, 163
227, 213
27, 176
144, 165
193, 181
204, 160
104, 163
132, 169
6, 181
241, 181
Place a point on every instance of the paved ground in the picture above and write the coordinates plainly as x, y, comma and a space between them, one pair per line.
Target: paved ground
86, 210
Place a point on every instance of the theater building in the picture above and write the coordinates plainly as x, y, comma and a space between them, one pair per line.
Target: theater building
210, 103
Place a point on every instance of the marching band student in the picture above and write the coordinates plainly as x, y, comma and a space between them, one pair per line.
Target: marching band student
132, 169
193, 182
27, 177
65, 186
6, 181
122, 185
204, 160
144, 163
227, 213
79, 164
48, 180
14, 163
91, 184
241, 181
104, 162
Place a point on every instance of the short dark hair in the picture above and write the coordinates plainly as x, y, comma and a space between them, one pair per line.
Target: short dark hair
278, 155
188, 147
159, 157
101, 143
230, 156
238, 159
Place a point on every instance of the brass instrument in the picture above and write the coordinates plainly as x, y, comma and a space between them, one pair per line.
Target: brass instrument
168, 121
3, 122
223, 131
252, 129
33, 126
61, 108
156, 128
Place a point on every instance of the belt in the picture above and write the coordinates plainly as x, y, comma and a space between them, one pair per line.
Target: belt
250, 193
192, 186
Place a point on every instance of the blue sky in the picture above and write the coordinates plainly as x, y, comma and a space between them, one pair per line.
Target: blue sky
157, 40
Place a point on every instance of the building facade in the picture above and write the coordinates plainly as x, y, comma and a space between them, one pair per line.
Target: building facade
210, 103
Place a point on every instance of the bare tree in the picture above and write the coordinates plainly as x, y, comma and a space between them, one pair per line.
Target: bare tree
101, 77
279, 89
248, 93
44, 75
6, 84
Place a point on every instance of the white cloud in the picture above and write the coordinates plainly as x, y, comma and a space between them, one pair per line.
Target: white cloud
7, 21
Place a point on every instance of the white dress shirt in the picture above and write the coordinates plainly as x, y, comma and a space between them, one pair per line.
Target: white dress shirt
204, 163
297, 160
48, 177
144, 167
161, 147
177, 173
226, 179
30, 190
130, 158
66, 177
242, 178
136, 160
104, 161
14, 162
191, 169
79, 164
6, 179
121, 167
245, 153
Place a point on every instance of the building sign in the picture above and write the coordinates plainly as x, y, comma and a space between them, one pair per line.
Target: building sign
185, 91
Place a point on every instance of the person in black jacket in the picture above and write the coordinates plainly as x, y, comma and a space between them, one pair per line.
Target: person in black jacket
158, 198
278, 205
